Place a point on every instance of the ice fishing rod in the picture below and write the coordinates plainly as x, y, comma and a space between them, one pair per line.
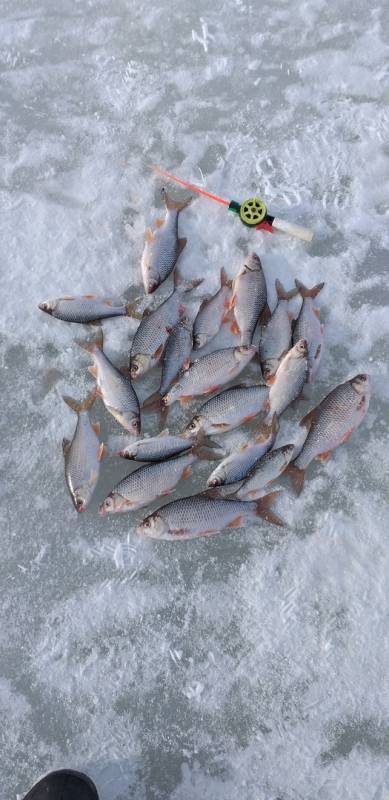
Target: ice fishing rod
251, 212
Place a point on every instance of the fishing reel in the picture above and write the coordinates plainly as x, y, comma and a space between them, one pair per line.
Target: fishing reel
251, 212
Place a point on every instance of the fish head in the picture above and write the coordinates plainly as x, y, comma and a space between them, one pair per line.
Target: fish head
300, 350
151, 284
131, 423
361, 383
253, 263
81, 497
199, 340
269, 369
287, 452
217, 478
113, 504
139, 365
48, 306
194, 427
128, 452
153, 526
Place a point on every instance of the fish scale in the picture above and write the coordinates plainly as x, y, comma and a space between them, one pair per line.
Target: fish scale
146, 484
229, 409
157, 448
177, 353
82, 454
309, 327
83, 309
340, 412
162, 246
209, 372
200, 515
276, 335
249, 298
238, 464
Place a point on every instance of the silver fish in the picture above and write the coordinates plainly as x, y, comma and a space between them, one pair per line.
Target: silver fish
155, 326
289, 379
114, 388
249, 299
209, 373
166, 445
202, 515
146, 484
82, 454
175, 359
330, 424
266, 470
238, 464
212, 312
309, 327
276, 335
162, 246
85, 309
228, 410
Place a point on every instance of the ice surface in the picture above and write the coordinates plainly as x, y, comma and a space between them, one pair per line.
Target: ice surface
254, 664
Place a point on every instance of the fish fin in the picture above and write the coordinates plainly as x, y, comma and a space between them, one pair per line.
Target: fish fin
347, 435
213, 493
166, 492
291, 316
232, 302
102, 452
178, 205
186, 473
108, 302
282, 294
96, 427
234, 328
183, 285
221, 425
80, 405
228, 315
169, 329
266, 406
204, 302
316, 311
269, 382
92, 369
132, 312
152, 403
165, 432
92, 344
214, 388
322, 327
318, 351
89, 296
266, 429
99, 391
186, 364
297, 477
146, 312
181, 244
158, 352
66, 446
149, 235
264, 315
308, 292
205, 453
248, 418
306, 421
237, 522
324, 456
224, 279
159, 222
264, 510
186, 399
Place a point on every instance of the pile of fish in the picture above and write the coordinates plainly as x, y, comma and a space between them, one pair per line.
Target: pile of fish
286, 357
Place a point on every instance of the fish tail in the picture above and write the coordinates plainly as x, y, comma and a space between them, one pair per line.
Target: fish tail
224, 279
91, 345
265, 429
263, 509
178, 205
308, 292
131, 310
185, 286
282, 294
80, 405
297, 477
153, 403
206, 449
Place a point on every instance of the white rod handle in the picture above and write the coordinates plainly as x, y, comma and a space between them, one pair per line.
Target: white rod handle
294, 230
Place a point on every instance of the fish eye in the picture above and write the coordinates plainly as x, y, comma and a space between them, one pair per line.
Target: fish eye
147, 523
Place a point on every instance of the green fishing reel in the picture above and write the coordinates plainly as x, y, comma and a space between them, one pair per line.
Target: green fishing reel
251, 212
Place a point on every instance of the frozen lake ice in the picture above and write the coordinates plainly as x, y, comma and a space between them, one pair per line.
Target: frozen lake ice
253, 664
